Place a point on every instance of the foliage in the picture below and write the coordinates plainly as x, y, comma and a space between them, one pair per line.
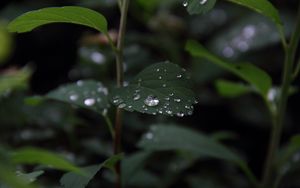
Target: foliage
170, 123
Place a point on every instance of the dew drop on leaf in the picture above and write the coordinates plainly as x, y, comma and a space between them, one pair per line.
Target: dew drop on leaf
89, 102
185, 3
73, 97
149, 136
136, 97
180, 114
179, 76
151, 101
122, 105
177, 100
202, 2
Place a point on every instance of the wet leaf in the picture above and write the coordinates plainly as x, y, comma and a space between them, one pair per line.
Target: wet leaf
162, 88
263, 7
68, 14
84, 93
231, 89
199, 6
257, 77
42, 157
164, 138
74, 180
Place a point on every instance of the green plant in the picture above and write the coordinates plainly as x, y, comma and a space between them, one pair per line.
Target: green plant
164, 88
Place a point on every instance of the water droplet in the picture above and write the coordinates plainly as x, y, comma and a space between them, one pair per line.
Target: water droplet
79, 83
157, 70
177, 100
202, 2
159, 77
185, 3
164, 85
151, 101
180, 114
73, 97
190, 113
169, 112
139, 80
136, 97
179, 76
167, 98
89, 102
149, 136
130, 107
171, 94
122, 105
115, 101
160, 111
187, 107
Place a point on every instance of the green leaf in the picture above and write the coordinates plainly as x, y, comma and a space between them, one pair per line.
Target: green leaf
164, 138
263, 7
231, 89
162, 88
73, 180
199, 6
14, 79
42, 157
258, 78
9, 179
30, 177
87, 94
68, 14
132, 164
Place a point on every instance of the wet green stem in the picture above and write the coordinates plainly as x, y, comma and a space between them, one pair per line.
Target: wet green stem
120, 79
278, 121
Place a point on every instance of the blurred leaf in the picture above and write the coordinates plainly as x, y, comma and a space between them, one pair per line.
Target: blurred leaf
164, 137
144, 179
14, 79
34, 100
30, 177
8, 179
255, 76
42, 157
231, 89
290, 150
5, 43
250, 32
131, 165
199, 6
162, 88
73, 180
149, 5
223, 135
68, 14
263, 7
84, 93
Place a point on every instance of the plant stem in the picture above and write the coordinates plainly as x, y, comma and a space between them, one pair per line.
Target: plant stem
290, 52
120, 80
110, 126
